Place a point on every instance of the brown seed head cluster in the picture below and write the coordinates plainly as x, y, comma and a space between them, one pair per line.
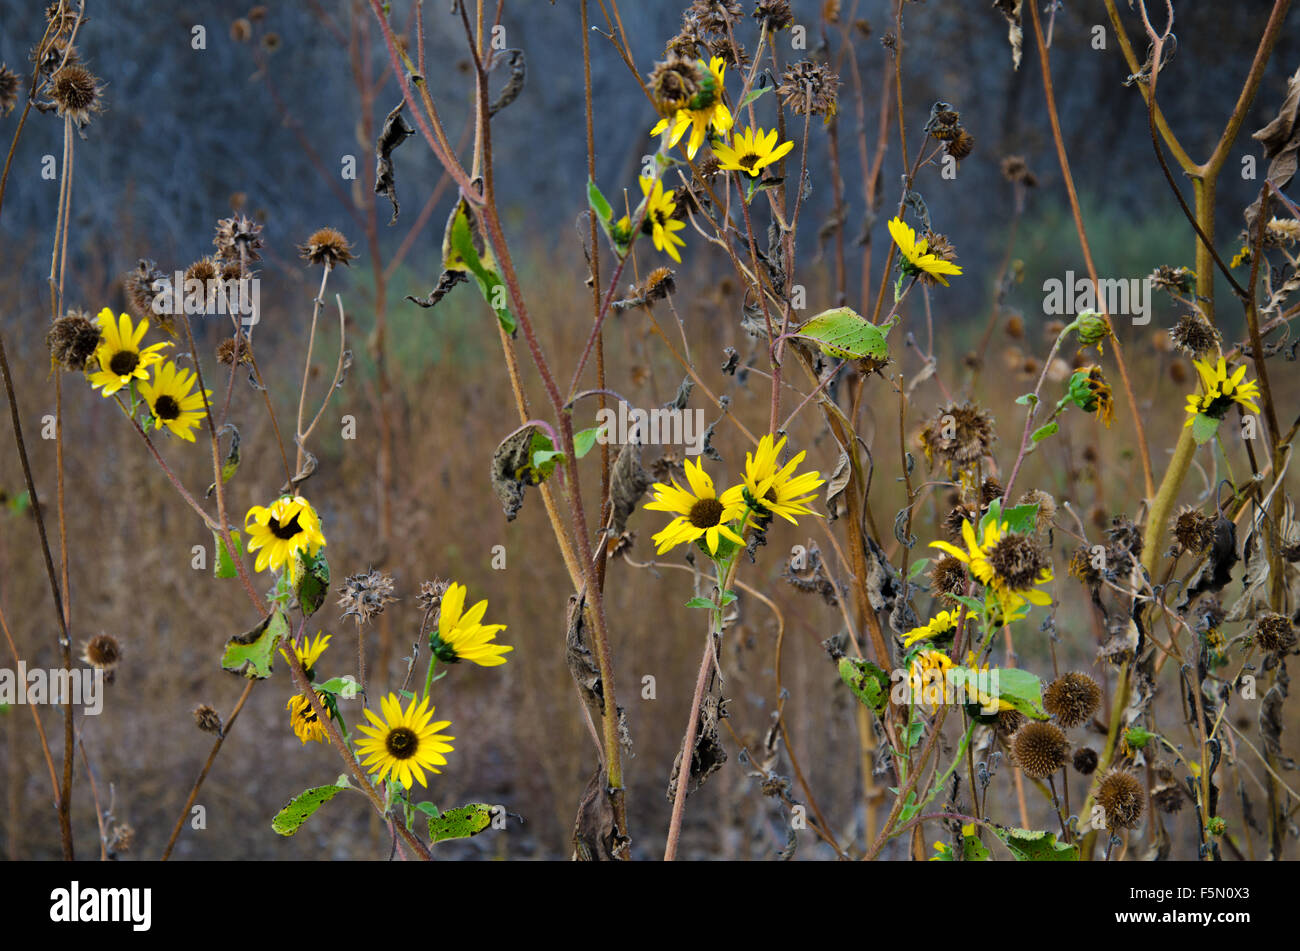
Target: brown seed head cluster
102, 651
138, 283
1194, 336
1274, 633
959, 434
207, 719
808, 87
1081, 567
657, 285
1193, 530
713, 16
1085, 760
327, 247
1173, 279
1015, 169
72, 340
1072, 698
674, 83
1008, 722
235, 234
9, 86
1046, 508
364, 595
1018, 561
990, 490
774, 14
1120, 795
226, 351
948, 577
431, 593
75, 92
1040, 749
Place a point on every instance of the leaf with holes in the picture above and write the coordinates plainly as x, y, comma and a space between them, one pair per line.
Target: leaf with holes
289, 819
460, 823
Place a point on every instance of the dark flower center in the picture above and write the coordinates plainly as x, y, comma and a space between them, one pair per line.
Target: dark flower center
747, 162
166, 408
287, 530
706, 513
123, 362
402, 743
1018, 561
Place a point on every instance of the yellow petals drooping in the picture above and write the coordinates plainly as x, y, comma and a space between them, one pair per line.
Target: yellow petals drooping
916, 253
1222, 389
462, 636
711, 112
404, 743
772, 489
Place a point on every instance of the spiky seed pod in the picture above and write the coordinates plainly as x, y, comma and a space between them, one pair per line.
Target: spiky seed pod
9, 86
102, 651
1018, 561
1008, 722
658, 284
1193, 530
226, 351
327, 247
956, 517
961, 146
1274, 633
365, 594
120, 839
1121, 796
714, 15
948, 578
1040, 749
138, 283
204, 269
959, 434
674, 83
1085, 760
1081, 567
1072, 698
990, 489
72, 340
1282, 231
235, 234
207, 719
808, 87
737, 57
75, 92
1015, 169
776, 14
1046, 508
1194, 336
1173, 279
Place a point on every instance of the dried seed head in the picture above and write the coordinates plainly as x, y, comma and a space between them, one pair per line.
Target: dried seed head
1121, 796
961, 146
204, 269
1085, 760
776, 14
9, 86
1081, 567
956, 517
948, 577
120, 838
990, 490
328, 247
658, 284
364, 595
102, 651
226, 351
1274, 633
1193, 530
1173, 279
241, 31
1283, 231
1014, 169
687, 42
1018, 561
1015, 327
431, 593
237, 233
1008, 722
57, 53
1194, 336
1167, 796
714, 15
959, 434
75, 92
72, 340
207, 719
271, 42
257, 14
1072, 699
810, 88
737, 57
674, 83
138, 284
1040, 749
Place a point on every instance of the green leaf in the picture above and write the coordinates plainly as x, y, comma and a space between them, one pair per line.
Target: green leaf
1022, 689
699, 603
973, 849
1137, 737
224, 567
728, 597
463, 256
752, 95
460, 823
345, 687
249, 654
869, 683
1027, 399
1030, 846
299, 810
917, 568
313, 582
584, 440
1021, 518
429, 809
1043, 432
598, 203
1204, 428
841, 332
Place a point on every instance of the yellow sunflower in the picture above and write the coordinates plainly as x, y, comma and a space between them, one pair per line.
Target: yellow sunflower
943, 623
1221, 391
1007, 563
461, 636
119, 355
282, 530
713, 112
773, 489
404, 743
659, 221
918, 259
173, 401
309, 651
927, 678
701, 512
303, 720
751, 151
